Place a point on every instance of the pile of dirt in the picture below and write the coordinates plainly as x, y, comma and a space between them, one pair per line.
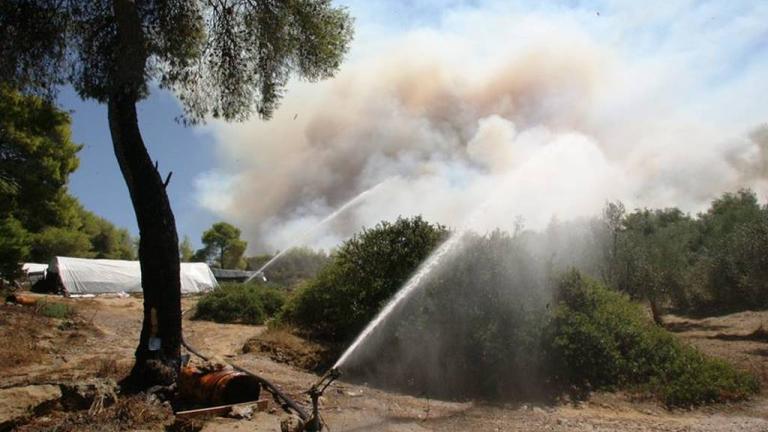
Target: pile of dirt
283, 346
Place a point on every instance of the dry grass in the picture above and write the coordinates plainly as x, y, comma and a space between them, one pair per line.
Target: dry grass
740, 338
20, 329
112, 368
758, 335
29, 338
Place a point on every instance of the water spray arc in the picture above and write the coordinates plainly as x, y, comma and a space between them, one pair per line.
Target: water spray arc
414, 282
303, 237
426, 268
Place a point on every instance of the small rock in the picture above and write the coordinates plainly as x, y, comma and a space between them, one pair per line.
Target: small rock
45, 345
538, 410
291, 424
241, 412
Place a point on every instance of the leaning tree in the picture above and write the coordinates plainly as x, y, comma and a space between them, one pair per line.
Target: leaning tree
222, 58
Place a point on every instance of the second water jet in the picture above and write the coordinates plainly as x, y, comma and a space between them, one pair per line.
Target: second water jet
302, 238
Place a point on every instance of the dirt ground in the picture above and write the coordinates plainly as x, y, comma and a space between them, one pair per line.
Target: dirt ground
733, 337
36, 351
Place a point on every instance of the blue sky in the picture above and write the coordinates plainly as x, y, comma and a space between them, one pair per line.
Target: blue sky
98, 182
699, 65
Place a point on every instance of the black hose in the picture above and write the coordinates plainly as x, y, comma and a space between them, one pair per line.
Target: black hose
279, 396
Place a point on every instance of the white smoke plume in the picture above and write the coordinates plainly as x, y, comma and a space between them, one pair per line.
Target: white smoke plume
546, 113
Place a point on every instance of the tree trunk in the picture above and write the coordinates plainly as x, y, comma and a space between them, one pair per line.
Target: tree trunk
158, 251
158, 352
656, 312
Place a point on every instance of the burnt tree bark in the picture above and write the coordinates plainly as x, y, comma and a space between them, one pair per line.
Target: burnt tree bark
158, 352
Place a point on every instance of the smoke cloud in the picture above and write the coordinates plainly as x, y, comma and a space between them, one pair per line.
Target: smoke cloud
534, 115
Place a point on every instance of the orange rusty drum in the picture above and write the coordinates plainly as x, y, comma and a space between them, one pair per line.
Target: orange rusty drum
22, 299
221, 387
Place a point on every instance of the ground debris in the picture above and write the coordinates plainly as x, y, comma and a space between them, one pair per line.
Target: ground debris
127, 414
291, 423
186, 424
241, 411
93, 394
17, 404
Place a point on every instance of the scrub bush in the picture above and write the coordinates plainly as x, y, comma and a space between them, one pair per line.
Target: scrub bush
599, 339
362, 275
55, 310
240, 303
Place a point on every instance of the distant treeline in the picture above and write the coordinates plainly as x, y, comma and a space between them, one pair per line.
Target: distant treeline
716, 260
39, 218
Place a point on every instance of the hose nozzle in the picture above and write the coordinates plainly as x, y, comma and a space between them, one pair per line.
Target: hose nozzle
314, 424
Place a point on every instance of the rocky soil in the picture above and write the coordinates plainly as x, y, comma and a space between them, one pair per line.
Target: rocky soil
40, 355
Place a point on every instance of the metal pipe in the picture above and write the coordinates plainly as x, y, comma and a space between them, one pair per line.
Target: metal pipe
314, 424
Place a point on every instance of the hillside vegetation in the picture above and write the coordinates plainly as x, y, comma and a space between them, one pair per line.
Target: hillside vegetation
532, 314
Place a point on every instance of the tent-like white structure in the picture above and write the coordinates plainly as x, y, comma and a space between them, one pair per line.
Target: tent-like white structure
34, 271
99, 276
30, 268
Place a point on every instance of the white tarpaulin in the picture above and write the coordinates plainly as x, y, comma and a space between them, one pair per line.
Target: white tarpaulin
96, 276
34, 268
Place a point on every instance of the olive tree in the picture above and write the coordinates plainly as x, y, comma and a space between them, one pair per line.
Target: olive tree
225, 59
654, 253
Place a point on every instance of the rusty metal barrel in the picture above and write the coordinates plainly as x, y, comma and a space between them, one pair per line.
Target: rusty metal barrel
218, 387
22, 299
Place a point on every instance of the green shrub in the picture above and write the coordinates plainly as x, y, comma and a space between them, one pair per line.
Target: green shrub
363, 274
55, 310
599, 339
272, 299
695, 379
242, 303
